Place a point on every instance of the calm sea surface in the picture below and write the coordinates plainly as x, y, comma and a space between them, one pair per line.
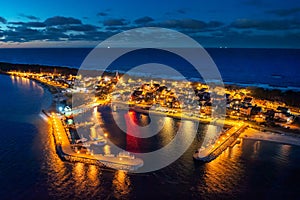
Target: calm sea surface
264, 67
30, 168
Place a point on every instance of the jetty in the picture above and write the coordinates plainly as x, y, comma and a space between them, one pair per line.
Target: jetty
210, 153
61, 134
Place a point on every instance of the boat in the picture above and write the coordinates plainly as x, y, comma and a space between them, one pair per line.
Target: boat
125, 154
86, 145
81, 140
109, 155
100, 141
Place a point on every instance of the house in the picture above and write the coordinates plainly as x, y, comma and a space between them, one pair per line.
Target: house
245, 110
283, 109
283, 117
248, 100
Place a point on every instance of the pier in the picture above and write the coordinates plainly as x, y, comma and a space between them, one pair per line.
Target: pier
210, 153
65, 151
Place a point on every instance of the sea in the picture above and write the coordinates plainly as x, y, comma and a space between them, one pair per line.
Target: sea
268, 68
31, 169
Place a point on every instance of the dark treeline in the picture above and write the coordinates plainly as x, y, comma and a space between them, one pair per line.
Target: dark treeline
5, 67
291, 98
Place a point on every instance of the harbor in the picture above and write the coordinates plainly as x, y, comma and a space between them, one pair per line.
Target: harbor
166, 105
228, 139
122, 161
38, 161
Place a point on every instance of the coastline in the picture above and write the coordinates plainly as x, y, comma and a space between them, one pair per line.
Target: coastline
54, 90
5, 67
254, 134
287, 95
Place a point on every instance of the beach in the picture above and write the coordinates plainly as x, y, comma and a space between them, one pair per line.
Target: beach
253, 134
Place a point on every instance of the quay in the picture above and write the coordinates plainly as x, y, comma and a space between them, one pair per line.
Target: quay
117, 105
210, 153
215, 150
65, 152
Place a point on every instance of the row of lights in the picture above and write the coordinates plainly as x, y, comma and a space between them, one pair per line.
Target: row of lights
223, 138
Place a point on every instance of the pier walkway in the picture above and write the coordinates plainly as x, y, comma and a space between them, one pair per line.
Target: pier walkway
212, 152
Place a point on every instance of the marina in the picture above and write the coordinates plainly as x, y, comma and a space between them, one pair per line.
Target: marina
122, 161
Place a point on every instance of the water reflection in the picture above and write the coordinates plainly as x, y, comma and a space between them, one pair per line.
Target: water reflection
285, 150
106, 149
167, 131
93, 175
220, 175
56, 169
26, 84
256, 149
93, 132
121, 184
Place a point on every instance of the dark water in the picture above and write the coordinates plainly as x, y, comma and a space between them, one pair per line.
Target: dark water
264, 67
30, 169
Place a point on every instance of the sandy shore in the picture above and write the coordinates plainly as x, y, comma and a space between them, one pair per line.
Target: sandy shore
254, 134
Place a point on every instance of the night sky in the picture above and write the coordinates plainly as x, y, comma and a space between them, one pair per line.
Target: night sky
214, 23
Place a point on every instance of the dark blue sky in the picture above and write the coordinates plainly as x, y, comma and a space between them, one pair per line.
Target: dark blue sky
214, 23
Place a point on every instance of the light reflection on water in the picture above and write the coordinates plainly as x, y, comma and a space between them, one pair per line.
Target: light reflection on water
121, 184
31, 169
93, 174
221, 175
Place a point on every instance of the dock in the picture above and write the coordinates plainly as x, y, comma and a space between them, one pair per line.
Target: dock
66, 153
215, 150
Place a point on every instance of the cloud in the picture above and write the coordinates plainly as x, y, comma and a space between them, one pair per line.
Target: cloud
81, 27
27, 32
59, 20
143, 20
243, 32
181, 11
78, 28
3, 20
284, 12
31, 17
91, 36
244, 23
35, 24
102, 14
267, 25
17, 23
117, 29
190, 24
115, 22
23, 34
214, 24
29, 24
237, 39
